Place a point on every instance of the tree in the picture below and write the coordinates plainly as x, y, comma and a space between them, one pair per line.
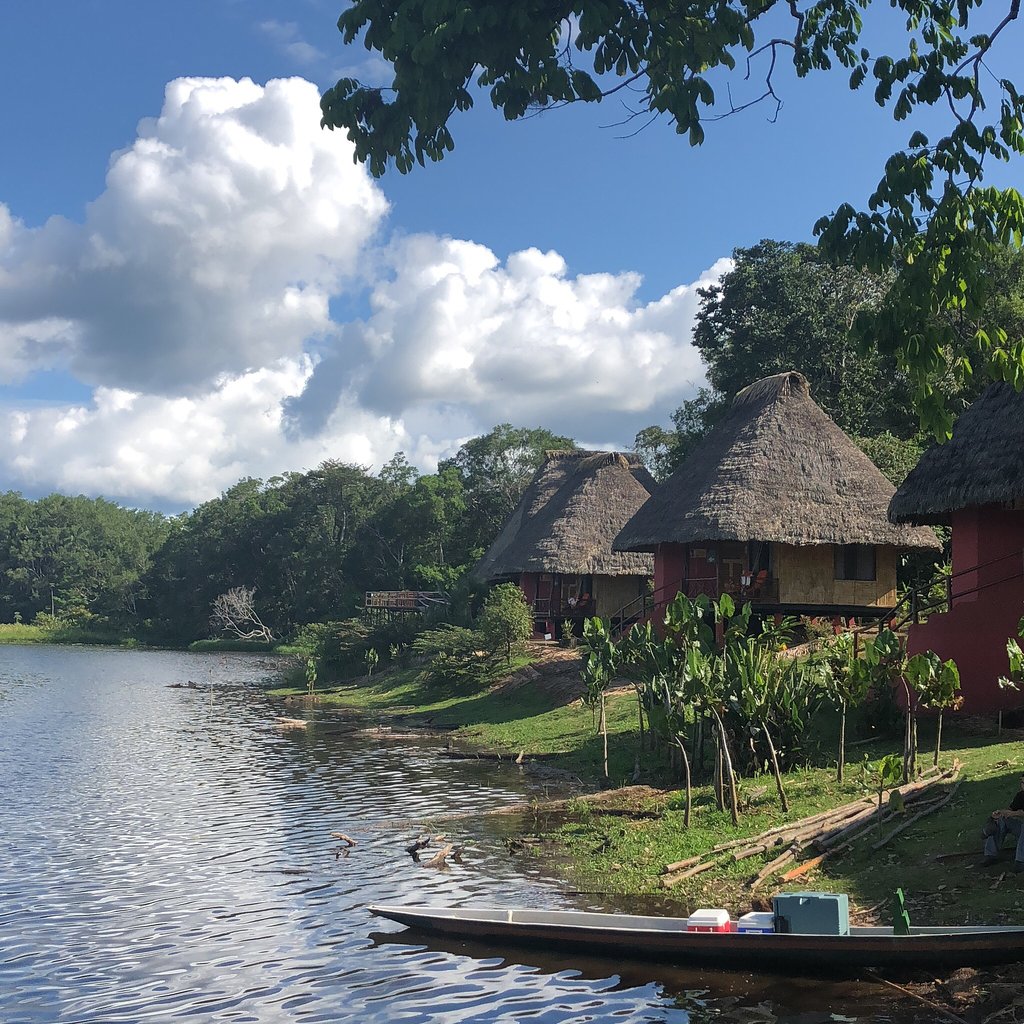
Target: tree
937, 683
505, 621
847, 680
784, 307
930, 221
234, 612
601, 659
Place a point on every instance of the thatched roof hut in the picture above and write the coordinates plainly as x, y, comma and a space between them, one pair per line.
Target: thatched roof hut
570, 512
776, 469
981, 464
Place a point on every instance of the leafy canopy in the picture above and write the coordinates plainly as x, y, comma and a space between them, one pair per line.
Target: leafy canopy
930, 218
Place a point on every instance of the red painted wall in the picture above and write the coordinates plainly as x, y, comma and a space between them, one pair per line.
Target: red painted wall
975, 630
669, 570
528, 585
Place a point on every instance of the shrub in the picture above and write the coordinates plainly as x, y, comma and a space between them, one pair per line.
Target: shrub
452, 640
506, 621
457, 674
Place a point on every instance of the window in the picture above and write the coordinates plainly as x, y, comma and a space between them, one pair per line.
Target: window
854, 561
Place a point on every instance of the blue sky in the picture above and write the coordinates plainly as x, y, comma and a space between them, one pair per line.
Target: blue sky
543, 273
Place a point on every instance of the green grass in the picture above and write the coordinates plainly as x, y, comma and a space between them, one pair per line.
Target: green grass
626, 855
62, 633
23, 633
623, 855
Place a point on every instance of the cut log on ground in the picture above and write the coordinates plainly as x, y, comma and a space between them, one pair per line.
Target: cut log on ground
828, 832
928, 809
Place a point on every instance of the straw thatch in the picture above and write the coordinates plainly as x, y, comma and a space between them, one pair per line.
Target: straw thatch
982, 463
575, 504
777, 469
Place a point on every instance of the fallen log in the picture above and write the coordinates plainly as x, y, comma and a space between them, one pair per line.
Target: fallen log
347, 840
924, 812
773, 866
681, 865
808, 865
668, 881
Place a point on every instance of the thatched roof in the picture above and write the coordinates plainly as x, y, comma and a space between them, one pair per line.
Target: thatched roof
575, 504
982, 463
776, 468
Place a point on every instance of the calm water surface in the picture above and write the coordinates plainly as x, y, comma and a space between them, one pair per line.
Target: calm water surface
166, 855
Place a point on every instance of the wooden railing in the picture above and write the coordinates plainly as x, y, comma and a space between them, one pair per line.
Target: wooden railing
404, 600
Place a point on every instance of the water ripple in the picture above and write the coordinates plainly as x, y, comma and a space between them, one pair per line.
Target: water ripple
166, 854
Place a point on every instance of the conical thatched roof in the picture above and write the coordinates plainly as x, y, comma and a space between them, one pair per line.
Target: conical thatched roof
775, 469
982, 463
575, 504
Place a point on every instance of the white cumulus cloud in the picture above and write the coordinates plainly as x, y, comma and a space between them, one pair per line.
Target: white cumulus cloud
522, 340
194, 300
222, 234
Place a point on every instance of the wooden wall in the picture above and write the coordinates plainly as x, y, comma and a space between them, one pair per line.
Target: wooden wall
806, 576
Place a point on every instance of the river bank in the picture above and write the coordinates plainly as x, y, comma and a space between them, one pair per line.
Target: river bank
537, 715
616, 844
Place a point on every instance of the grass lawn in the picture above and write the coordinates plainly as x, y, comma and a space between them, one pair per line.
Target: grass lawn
23, 633
623, 855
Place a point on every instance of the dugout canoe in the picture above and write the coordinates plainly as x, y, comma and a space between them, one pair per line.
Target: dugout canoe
667, 939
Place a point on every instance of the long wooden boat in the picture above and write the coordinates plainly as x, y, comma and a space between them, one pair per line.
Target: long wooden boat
667, 939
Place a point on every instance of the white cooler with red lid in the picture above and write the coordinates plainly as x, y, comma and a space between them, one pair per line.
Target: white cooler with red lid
709, 920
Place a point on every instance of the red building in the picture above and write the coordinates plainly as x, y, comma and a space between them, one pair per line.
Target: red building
975, 484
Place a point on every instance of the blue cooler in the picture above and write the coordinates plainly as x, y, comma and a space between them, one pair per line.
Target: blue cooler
758, 922
812, 913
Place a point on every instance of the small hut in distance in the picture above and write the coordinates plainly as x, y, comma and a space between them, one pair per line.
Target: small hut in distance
776, 506
557, 543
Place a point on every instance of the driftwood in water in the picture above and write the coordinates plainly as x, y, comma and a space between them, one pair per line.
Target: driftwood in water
347, 840
440, 859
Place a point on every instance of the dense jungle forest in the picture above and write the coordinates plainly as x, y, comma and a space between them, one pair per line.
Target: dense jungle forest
309, 544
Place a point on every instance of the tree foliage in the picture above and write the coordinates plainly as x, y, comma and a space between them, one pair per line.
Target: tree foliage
495, 469
782, 307
305, 546
931, 223
506, 621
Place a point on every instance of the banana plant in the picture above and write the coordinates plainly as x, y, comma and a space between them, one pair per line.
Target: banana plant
937, 684
601, 659
755, 677
699, 673
846, 680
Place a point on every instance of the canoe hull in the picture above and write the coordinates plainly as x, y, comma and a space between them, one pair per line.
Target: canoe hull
665, 939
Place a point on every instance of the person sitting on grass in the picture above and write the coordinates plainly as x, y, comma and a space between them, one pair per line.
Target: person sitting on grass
1003, 823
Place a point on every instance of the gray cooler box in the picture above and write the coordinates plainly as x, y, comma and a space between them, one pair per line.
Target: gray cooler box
812, 913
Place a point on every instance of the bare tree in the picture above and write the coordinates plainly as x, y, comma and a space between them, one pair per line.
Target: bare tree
234, 612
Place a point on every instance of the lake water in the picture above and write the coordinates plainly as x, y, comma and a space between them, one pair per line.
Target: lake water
166, 855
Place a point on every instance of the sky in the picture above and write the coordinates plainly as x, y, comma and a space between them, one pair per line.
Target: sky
198, 284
